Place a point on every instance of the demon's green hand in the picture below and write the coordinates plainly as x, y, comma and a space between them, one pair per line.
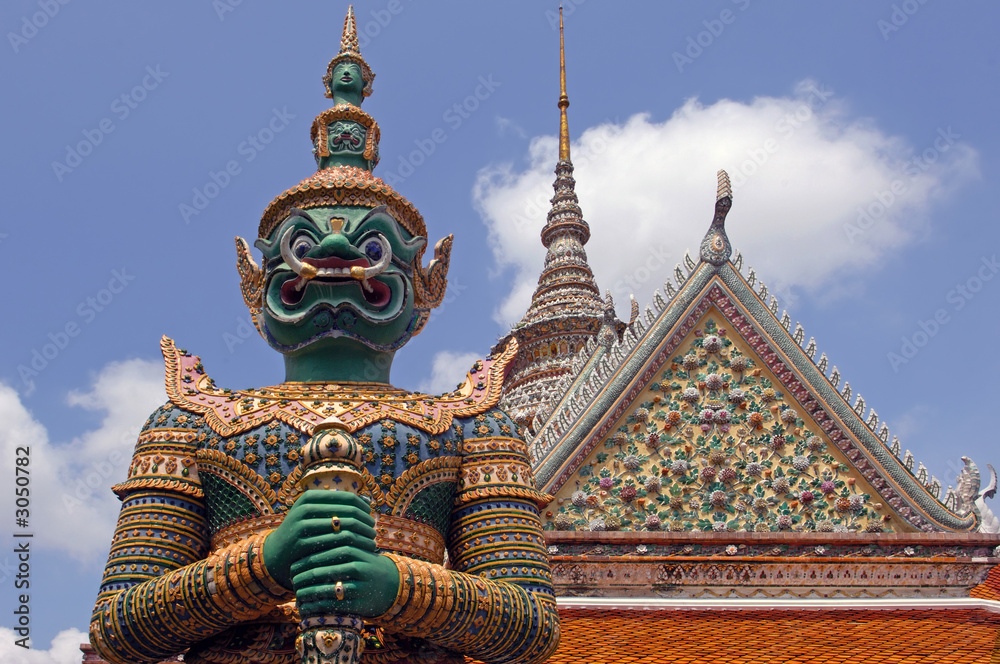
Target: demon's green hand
309, 553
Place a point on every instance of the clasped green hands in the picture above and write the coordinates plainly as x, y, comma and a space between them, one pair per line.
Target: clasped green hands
304, 554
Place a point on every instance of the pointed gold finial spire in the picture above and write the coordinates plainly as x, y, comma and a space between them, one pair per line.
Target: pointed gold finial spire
563, 97
350, 51
349, 39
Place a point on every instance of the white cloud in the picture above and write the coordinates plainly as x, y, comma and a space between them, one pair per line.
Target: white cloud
72, 506
801, 167
506, 125
915, 420
64, 649
448, 371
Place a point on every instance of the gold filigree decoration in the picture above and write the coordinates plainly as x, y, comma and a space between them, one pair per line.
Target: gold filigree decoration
167, 436
251, 276
166, 483
430, 285
419, 477
240, 477
342, 185
503, 491
304, 405
409, 538
290, 489
321, 126
245, 529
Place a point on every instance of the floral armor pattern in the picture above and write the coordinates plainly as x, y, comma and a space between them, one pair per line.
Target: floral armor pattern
446, 475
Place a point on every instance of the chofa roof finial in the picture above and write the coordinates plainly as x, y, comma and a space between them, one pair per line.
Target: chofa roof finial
715, 248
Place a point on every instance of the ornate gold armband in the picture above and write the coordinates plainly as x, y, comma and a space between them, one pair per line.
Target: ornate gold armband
275, 589
242, 581
416, 597
443, 599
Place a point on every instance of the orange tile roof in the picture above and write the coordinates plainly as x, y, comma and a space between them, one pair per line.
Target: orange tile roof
990, 588
594, 636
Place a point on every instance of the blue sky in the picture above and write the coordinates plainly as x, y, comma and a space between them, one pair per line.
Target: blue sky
816, 109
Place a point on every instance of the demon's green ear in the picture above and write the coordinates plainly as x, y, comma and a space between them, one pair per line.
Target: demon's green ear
251, 279
429, 284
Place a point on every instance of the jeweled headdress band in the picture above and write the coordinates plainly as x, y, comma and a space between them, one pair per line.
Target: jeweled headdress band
343, 185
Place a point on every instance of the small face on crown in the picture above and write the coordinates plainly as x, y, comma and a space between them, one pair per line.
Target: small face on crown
337, 274
347, 84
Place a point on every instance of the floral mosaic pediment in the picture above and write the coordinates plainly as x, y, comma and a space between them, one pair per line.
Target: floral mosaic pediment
714, 442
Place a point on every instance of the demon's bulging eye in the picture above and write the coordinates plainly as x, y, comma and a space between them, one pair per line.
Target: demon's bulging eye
301, 246
373, 250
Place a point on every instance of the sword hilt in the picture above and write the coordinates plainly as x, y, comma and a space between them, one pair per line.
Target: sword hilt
331, 460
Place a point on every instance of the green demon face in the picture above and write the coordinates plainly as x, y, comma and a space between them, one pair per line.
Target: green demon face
338, 274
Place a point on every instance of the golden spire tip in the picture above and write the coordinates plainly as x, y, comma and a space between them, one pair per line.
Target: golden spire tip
349, 38
563, 97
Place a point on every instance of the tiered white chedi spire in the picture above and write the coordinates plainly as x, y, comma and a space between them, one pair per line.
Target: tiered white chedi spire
566, 309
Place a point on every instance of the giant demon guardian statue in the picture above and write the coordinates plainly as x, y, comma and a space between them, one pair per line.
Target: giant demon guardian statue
310, 521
